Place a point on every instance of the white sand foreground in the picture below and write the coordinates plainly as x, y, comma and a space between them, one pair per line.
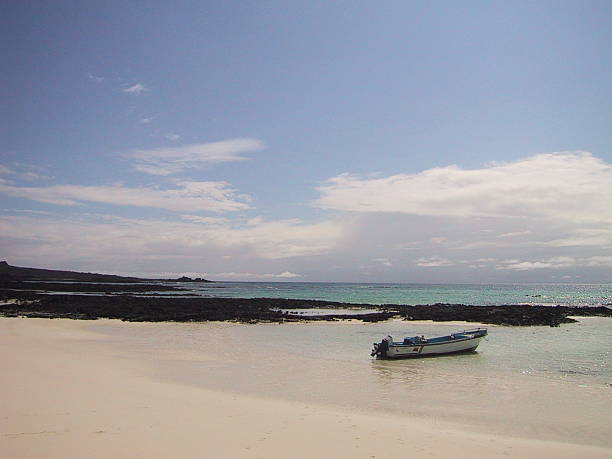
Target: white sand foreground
66, 395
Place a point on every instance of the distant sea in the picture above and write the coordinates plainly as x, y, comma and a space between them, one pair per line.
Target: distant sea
488, 294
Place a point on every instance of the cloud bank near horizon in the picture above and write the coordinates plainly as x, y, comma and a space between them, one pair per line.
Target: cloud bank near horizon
548, 213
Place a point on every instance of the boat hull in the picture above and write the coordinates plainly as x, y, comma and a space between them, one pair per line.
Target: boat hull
400, 351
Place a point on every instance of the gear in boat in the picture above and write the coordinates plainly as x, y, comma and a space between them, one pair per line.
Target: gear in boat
463, 341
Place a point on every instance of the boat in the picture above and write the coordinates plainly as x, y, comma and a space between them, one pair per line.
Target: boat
417, 346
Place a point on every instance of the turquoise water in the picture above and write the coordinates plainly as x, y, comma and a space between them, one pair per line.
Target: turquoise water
493, 294
551, 383
535, 382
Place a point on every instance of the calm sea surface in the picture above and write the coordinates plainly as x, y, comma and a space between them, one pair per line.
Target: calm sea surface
536, 382
493, 294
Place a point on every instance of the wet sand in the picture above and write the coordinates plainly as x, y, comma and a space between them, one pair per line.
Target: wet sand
67, 393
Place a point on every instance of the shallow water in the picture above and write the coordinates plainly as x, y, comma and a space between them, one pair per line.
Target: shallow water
536, 382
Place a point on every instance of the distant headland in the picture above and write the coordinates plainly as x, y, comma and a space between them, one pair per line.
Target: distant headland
16, 273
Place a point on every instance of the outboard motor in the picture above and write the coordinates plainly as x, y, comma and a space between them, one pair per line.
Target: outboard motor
380, 349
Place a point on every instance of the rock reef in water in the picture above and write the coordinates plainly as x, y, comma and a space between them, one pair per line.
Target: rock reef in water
198, 309
27, 292
159, 309
521, 314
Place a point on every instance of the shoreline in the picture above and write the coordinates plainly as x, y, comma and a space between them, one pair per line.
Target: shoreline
33, 292
68, 392
129, 307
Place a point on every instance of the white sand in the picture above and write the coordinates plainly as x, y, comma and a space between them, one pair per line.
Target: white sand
64, 394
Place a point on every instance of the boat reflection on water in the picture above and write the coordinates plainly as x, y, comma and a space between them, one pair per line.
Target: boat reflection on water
410, 374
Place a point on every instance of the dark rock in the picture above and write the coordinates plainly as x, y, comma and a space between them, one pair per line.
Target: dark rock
26, 302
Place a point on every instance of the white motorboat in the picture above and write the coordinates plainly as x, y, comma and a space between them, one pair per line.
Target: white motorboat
417, 346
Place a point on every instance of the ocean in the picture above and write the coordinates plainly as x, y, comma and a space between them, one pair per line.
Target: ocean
488, 294
550, 383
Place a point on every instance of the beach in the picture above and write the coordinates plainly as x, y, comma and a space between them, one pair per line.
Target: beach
86, 389
323, 230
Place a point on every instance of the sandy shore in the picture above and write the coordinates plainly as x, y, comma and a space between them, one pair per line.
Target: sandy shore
67, 394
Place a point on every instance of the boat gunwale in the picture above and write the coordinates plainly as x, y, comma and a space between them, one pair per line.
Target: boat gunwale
436, 344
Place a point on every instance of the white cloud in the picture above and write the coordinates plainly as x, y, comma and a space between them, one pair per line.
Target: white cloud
282, 238
288, 275
188, 196
146, 120
25, 172
556, 263
565, 186
426, 248
30, 176
598, 261
515, 234
26, 211
172, 137
585, 237
158, 243
409, 246
433, 262
479, 263
205, 220
383, 261
254, 276
136, 89
170, 160
95, 78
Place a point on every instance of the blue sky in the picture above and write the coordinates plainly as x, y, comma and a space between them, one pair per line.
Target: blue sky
311, 141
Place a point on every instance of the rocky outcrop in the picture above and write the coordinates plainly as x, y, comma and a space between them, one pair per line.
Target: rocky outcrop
34, 292
182, 309
502, 315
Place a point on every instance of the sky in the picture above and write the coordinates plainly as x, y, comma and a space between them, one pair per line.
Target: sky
397, 141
